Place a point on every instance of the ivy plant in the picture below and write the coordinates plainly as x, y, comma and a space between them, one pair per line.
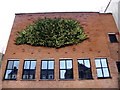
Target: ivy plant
57, 32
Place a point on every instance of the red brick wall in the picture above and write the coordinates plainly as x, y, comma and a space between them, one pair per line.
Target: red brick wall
96, 26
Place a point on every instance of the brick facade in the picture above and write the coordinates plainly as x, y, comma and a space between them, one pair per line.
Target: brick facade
96, 25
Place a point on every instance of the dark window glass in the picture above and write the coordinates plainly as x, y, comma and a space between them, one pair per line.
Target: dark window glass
118, 66
84, 69
29, 69
112, 38
102, 68
66, 69
11, 71
47, 69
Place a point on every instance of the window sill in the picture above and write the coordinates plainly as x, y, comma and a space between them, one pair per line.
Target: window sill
87, 79
28, 79
114, 42
104, 77
9, 79
47, 80
66, 79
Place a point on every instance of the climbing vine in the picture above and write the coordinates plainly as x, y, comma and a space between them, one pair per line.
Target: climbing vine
48, 32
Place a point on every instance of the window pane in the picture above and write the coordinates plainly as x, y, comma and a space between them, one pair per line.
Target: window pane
32, 74
51, 74
85, 74
16, 64
12, 69
84, 70
8, 74
25, 76
88, 74
112, 38
99, 73
87, 63
51, 65
10, 65
62, 64
62, 74
13, 76
118, 66
80, 61
26, 72
43, 74
29, 70
104, 63
27, 65
69, 64
81, 74
69, 74
97, 62
29, 74
44, 64
106, 72
33, 65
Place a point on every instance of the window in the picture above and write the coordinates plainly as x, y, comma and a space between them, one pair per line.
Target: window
118, 66
11, 70
29, 69
47, 69
84, 69
112, 38
102, 68
66, 69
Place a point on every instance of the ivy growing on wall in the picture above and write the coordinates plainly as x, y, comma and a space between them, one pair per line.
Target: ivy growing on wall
48, 32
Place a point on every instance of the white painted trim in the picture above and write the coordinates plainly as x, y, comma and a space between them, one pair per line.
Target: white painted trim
100, 58
13, 59
29, 59
83, 58
65, 58
111, 33
48, 59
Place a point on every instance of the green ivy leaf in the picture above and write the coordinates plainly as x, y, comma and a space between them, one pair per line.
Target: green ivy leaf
48, 32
